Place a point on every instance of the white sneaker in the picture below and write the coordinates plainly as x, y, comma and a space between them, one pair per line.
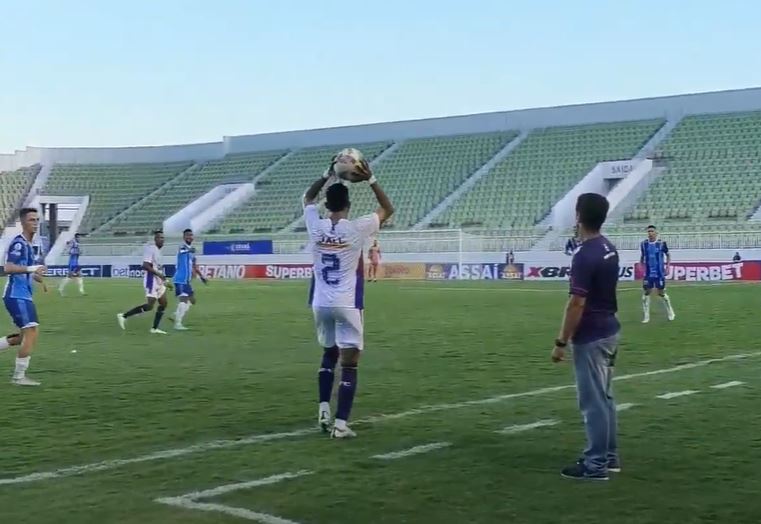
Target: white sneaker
157, 332
344, 432
323, 417
180, 327
646, 319
671, 315
25, 381
121, 320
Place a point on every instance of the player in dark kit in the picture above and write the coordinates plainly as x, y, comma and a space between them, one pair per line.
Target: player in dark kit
590, 324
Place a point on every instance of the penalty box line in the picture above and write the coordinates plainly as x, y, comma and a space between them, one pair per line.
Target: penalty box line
203, 447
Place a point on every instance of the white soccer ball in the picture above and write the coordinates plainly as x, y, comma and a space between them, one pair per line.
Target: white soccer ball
347, 161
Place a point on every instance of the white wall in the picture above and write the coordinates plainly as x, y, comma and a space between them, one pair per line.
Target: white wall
662, 107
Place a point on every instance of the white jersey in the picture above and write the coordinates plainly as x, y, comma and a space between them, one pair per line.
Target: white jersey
338, 279
152, 255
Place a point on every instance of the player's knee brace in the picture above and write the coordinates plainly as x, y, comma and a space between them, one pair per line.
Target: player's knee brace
329, 358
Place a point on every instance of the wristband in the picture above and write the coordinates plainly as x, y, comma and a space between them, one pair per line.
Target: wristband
559, 343
372, 180
32, 269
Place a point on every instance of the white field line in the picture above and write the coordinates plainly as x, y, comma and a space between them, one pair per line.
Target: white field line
726, 385
269, 437
519, 428
417, 450
191, 500
556, 290
241, 513
625, 406
677, 394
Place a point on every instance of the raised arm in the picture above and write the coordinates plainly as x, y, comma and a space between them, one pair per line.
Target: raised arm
386, 209
310, 197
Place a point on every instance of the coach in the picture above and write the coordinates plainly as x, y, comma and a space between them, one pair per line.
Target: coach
590, 324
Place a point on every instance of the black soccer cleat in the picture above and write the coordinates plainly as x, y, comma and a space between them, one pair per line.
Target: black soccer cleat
579, 471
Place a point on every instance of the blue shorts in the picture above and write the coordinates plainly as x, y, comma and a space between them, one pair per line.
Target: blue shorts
658, 283
23, 312
183, 290
74, 268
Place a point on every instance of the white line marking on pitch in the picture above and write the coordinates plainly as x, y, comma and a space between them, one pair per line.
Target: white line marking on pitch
191, 500
417, 450
625, 406
675, 394
519, 428
726, 385
268, 437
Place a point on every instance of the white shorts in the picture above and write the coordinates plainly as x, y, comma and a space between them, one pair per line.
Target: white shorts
339, 326
154, 287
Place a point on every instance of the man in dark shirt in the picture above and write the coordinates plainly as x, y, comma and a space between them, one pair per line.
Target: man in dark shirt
591, 325
737, 257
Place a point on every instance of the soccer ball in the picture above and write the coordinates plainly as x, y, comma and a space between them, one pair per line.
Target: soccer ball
347, 161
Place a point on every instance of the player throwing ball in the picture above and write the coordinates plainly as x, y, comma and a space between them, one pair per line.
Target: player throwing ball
154, 284
336, 295
655, 257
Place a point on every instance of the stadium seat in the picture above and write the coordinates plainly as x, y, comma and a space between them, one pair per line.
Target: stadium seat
189, 186
521, 190
112, 187
14, 185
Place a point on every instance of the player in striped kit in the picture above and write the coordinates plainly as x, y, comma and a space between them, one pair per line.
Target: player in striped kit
655, 257
336, 295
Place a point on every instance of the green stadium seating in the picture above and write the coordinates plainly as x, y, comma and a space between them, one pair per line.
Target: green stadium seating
713, 178
277, 200
112, 187
14, 185
521, 190
150, 213
422, 172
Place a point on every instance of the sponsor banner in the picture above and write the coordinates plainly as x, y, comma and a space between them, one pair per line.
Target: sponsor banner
134, 270
238, 247
401, 271
284, 271
709, 271
564, 272
474, 271
225, 271
85, 271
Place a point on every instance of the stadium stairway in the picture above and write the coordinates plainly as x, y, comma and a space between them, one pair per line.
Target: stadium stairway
215, 214
105, 227
470, 181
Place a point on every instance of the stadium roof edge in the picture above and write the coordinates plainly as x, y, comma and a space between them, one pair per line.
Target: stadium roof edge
734, 100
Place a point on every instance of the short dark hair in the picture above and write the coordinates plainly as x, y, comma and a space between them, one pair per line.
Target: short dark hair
337, 198
188, 230
77, 235
158, 232
24, 211
592, 209
650, 227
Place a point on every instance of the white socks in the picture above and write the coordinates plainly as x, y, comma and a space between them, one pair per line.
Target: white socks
64, 283
4, 344
646, 305
669, 309
81, 283
22, 364
182, 309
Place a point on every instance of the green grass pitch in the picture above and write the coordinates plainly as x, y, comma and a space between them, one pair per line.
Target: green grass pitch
162, 415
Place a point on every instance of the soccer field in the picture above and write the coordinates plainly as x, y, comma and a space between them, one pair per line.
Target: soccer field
461, 416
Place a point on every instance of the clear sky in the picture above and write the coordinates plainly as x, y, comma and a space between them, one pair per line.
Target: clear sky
147, 72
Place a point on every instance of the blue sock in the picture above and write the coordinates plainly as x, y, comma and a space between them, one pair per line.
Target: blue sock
326, 373
346, 389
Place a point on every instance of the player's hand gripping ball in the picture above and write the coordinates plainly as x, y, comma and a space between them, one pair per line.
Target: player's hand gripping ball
348, 165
